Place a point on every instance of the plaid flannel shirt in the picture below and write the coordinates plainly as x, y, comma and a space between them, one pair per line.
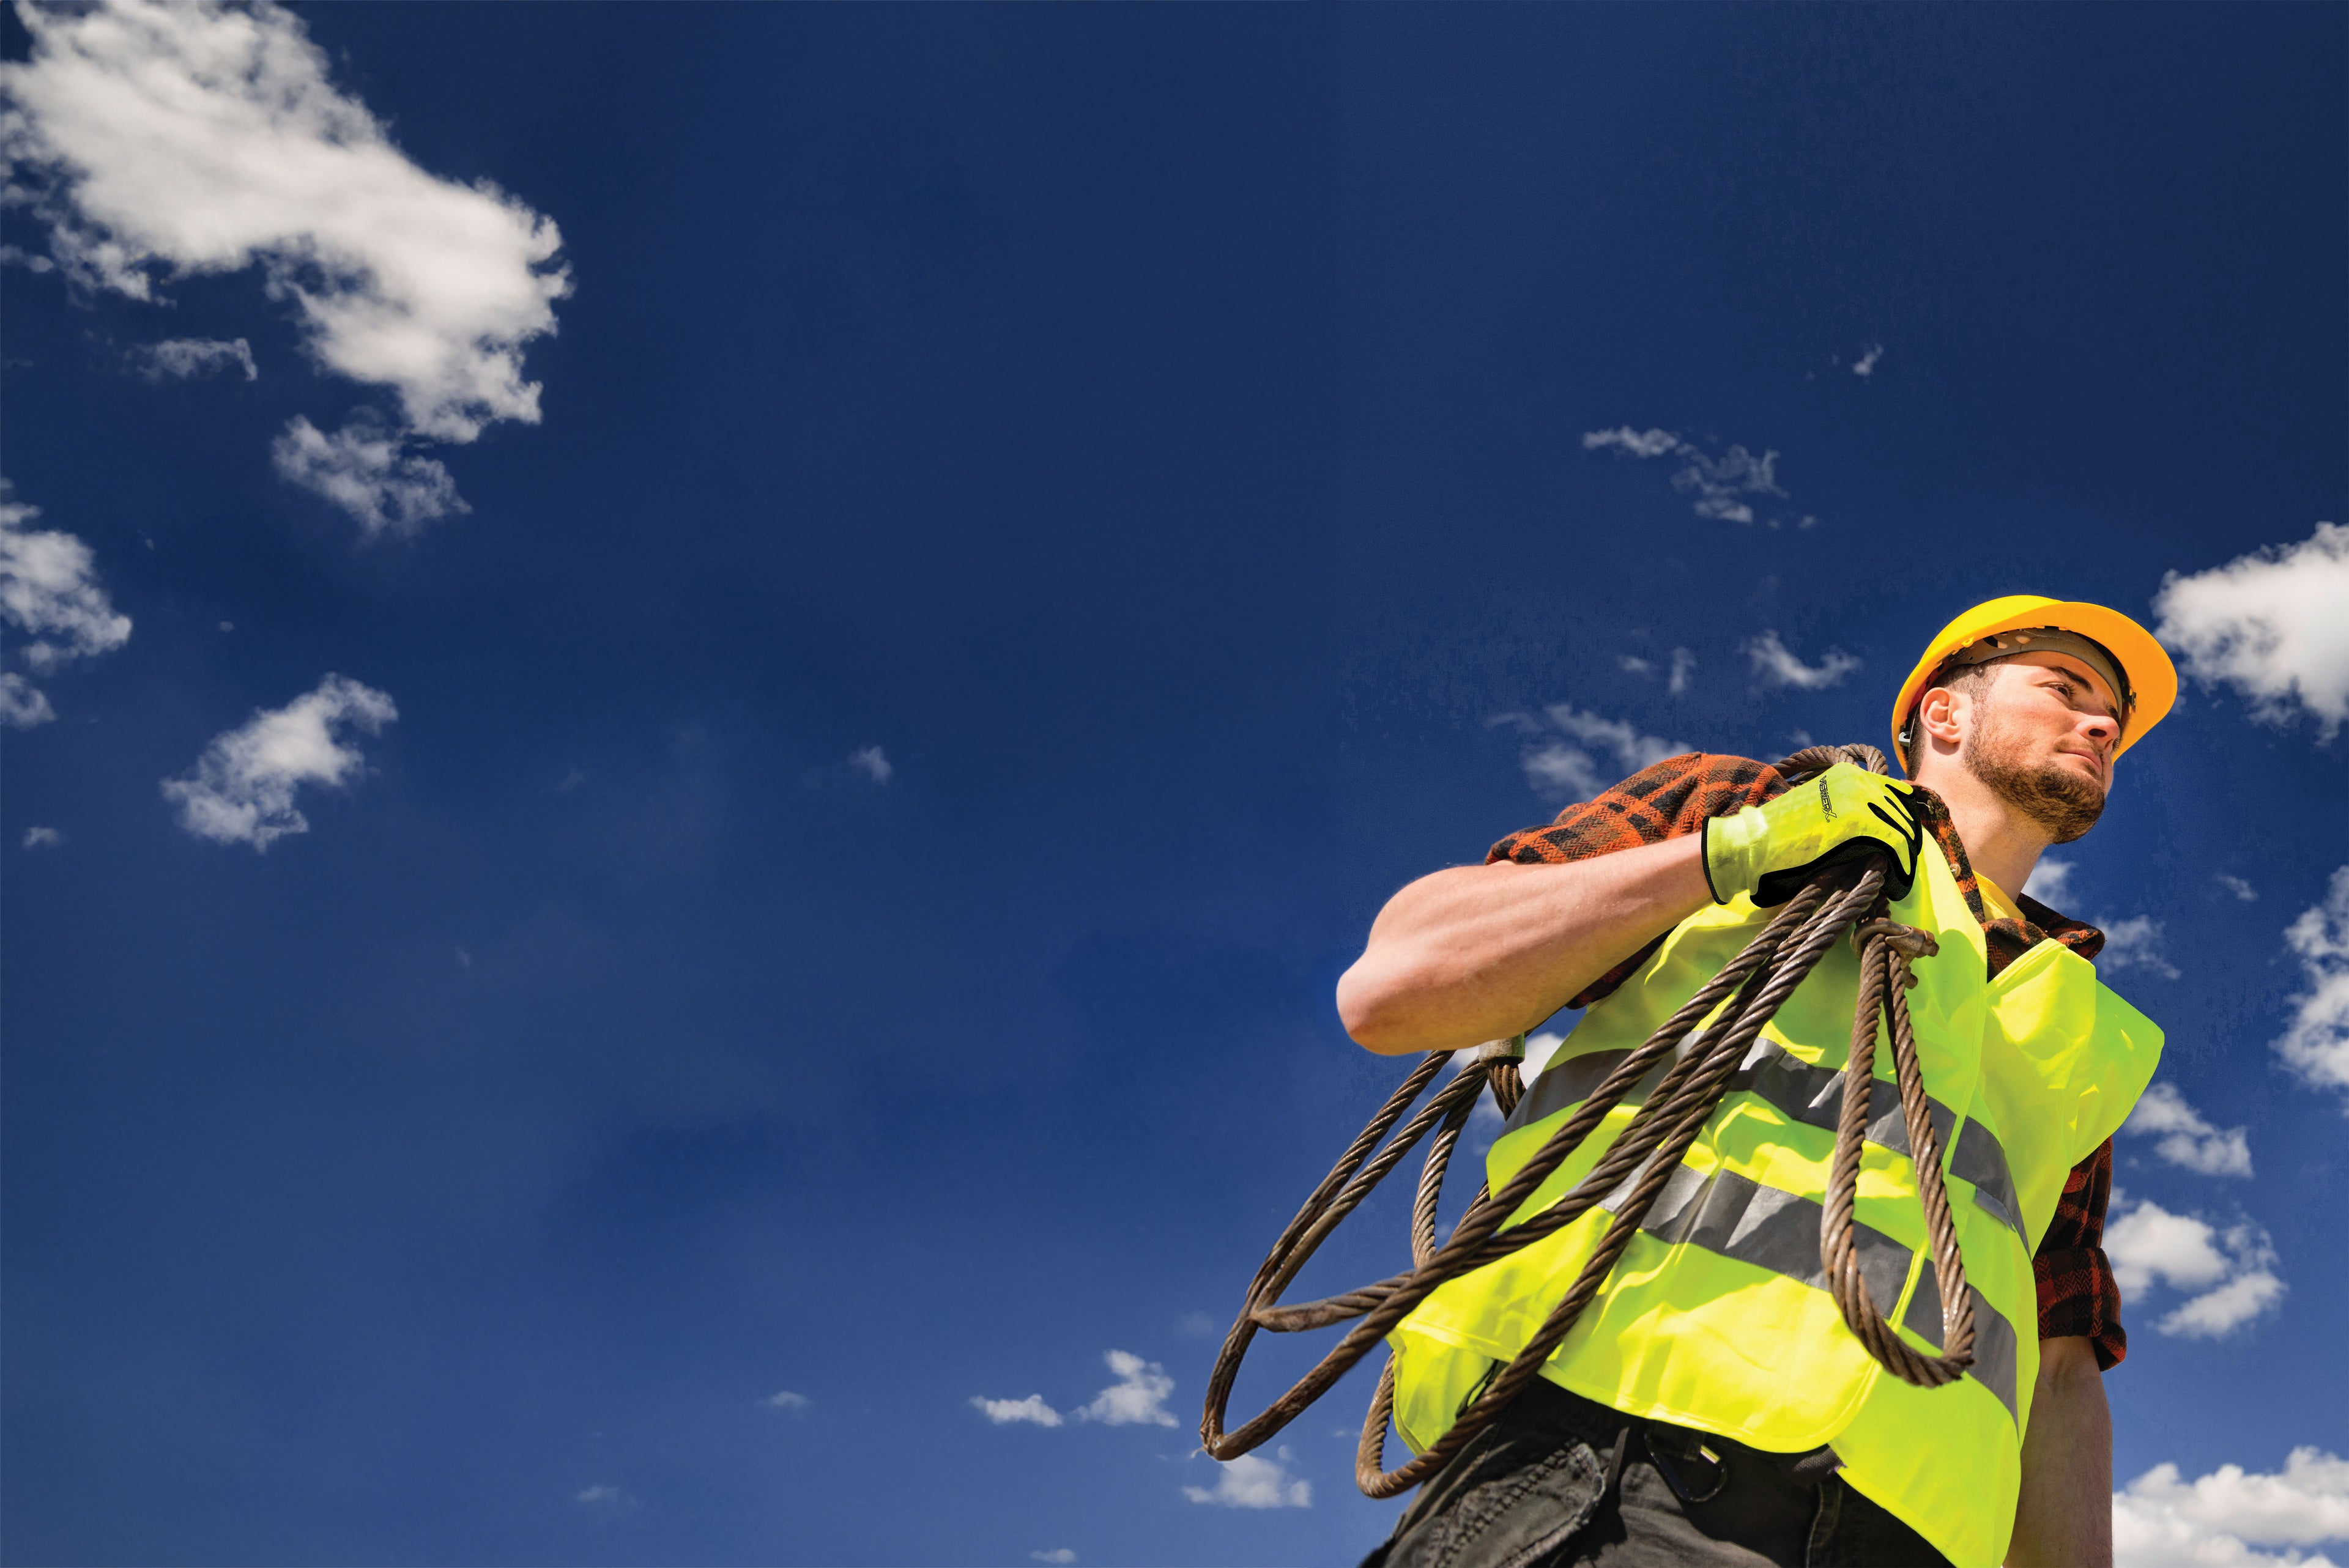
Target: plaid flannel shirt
2077, 1293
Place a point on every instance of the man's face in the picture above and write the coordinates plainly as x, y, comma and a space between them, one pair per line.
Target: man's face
2043, 737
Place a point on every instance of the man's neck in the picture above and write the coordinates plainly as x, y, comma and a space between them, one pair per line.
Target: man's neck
2001, 843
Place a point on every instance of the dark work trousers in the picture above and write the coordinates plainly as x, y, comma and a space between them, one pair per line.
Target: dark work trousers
1561, 1480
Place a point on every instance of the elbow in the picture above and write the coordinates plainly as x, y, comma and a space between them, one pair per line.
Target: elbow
1367, 1006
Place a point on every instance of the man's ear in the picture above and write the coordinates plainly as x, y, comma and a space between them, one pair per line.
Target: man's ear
1938, 716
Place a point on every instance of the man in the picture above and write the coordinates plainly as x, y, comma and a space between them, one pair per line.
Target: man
1711, 1407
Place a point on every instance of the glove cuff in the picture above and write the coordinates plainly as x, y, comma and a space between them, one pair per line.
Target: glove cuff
1732, 852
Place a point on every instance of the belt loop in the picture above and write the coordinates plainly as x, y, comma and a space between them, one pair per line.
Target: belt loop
1623, 1435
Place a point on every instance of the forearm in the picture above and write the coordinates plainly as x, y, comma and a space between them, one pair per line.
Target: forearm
2064, 1518
1480, 953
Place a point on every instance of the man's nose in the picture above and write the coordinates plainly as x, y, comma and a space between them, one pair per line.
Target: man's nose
2102, 728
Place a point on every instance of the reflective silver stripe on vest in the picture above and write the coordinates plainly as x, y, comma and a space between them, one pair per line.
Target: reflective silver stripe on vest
1994, 1366
1768, 1227
1807, 1094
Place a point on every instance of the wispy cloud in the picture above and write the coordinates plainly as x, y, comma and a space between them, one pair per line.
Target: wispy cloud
160, 141
872, 762
2137, 943
1031, 1410
2238, 887
43, 838
1565, 768
1864, 366
1724, 486
2231, 1272
1252, 1481
368, 468
1776, 665
49, 590
2161, 1521
2050, 881
241, 791
1682, 663
605, 1498
1138, 1397
1057, 1554
784, 1400
2270, 624
182, 358
2316, 1045
2185, 1138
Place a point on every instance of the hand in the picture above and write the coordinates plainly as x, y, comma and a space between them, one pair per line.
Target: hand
1843, 815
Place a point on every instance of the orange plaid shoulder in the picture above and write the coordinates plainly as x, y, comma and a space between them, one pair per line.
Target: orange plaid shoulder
1662, 800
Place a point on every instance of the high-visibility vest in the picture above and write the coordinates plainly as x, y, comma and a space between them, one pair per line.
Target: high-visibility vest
1717, 1315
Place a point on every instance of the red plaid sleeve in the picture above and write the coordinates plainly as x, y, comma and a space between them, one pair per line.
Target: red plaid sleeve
1662, 800
2078, 1296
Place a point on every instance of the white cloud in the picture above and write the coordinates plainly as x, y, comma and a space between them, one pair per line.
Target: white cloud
1566, 770
782, 1400
2050, 881
182, 358
43, 838
1057, 1554
241, 791
1719, 484
2217, 1521
188, 138
1253, 1481
2316, 1045
366, 469
1682, 663
2270, 624
605, 1496
2233, 1271
2238, 887
1776, 665
2134, 944
872, 763
22, 703
1138, 1397
2185, 1138
49, 589
1635, 665
1864, 366
1007, 1412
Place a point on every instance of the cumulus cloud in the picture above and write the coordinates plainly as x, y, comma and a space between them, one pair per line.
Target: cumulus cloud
2161, 1521
2134, 943
22, 703
241, 791
369, 470
2270, 624
782, 1400
182, 358
2185, 1138
1565, 768
50, 590
2238, 887
172, 139
1253, 1481
1009, 1412
1138, 1397
1864, 366
2231, 1270
2316, 1045
43, 838
1774, 664
1683, 662
2050, 881
870, 761
1721, 485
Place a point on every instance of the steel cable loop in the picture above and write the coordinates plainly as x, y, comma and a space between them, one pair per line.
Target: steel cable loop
1642, 1159
1883, 997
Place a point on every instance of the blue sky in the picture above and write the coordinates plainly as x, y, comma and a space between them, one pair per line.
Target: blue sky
705, 697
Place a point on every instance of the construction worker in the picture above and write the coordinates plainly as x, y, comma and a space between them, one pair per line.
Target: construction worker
1710, 1406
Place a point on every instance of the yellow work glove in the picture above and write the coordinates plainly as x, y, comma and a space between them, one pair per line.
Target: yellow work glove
1844, 814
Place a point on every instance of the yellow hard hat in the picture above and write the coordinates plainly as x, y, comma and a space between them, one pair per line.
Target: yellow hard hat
2148, 681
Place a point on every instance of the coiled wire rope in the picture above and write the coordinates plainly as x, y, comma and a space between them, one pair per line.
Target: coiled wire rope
1709, 1037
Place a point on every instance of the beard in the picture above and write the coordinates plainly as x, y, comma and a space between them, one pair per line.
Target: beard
2059, 800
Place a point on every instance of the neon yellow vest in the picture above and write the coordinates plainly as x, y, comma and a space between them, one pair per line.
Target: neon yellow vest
1717, 1318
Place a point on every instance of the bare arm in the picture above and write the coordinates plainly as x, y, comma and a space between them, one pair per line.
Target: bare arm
1481, 953
2065, 1517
